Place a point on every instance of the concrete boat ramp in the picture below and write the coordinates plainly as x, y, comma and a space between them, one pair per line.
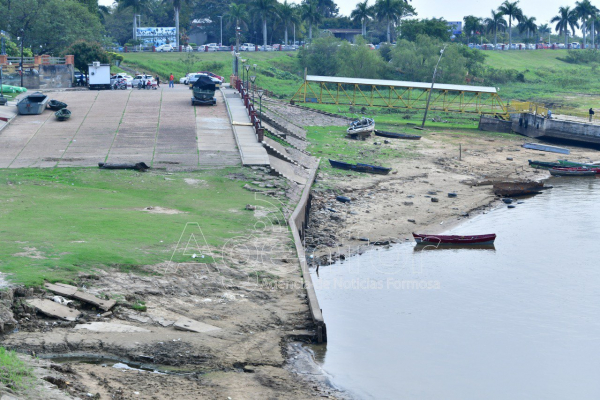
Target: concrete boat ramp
158, 127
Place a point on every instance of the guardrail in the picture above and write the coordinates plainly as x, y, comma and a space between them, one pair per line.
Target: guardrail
254, 119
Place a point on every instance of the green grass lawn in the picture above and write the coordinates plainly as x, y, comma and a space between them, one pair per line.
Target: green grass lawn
14, 373
526, 59
55, 223
275, 71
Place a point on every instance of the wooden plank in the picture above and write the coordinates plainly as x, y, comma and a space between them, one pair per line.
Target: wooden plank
186, 324
61, 288
53, 309
88, 298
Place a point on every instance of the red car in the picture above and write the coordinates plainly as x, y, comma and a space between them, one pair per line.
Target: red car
212, 75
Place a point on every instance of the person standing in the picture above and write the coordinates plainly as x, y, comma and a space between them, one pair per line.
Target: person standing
171, 79
591, 112
157, 81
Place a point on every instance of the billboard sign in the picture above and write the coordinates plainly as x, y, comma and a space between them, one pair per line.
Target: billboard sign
155, 36
455, 27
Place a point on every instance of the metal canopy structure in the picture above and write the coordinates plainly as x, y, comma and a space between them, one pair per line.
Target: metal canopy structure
399, 94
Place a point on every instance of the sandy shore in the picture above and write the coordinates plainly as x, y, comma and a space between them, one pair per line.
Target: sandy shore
391, 207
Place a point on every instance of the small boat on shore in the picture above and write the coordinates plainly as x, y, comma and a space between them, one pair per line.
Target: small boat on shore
573, 172
545, 147
56, 105
454, 239
361, 126
544, 164
567, 163
393, 135
368, 168
63, 114
512, 189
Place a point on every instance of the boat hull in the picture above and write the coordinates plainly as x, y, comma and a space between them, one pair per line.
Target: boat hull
393, 135
517, 188
370, 169
454, 239
572, 172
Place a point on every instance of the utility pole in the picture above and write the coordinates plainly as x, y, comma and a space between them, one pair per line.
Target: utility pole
432, 83
221, 18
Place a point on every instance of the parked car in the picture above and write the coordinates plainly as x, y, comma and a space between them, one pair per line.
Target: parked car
561, 46
212, 75
142, 78
128, 78
77, 77
165, 47
531, 46
194, 77
248, 47
575, 45
187, 48
371, 46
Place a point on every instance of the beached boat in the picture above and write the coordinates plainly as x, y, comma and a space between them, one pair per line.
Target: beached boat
370, 169
512, 189
63, 114
361, 126
567, 163
572, 172
454, 239
56, 105
393, 135
545, 147
544, 164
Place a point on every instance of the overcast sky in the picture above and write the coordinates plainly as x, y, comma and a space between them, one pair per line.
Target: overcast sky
455, 10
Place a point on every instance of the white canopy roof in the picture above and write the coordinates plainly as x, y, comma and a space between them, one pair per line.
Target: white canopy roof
414, 85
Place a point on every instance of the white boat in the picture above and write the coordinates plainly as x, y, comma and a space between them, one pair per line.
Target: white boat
361, 126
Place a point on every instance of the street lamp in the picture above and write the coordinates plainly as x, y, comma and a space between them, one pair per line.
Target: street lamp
247, 74
22, 38
221, 18
260, 95
252, 79
432, 83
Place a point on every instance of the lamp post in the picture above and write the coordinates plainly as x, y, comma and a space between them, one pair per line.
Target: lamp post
22, 72
221, 18
432, 83
247, 66
260, 95
252, 79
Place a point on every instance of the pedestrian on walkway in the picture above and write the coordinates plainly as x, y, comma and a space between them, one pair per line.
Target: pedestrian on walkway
591, 114
157, 81
171, 79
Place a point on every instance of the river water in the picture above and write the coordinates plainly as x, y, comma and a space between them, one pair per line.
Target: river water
518, 321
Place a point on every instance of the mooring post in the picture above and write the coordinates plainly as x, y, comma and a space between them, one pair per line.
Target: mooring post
460, 152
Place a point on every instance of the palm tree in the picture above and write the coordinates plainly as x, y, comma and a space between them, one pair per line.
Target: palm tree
362, 13
527, 25
512, 11
473, 25
311, 14
543, 29
177, 8
594, 22
137, 6
239, 15
287, 13
264, 8
566, 19
585, 10
392, 11
495, 21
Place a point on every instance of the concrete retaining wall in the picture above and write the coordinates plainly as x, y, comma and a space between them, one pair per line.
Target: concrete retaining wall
490, 124
297, 223
537, 126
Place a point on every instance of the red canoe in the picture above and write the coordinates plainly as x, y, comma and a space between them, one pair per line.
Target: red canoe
454, 239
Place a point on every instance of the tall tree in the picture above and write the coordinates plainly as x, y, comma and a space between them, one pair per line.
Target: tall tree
361, 14
473, 25
288, 15
543, 29
585, 10
264, 9
238, 15
566, 19
494, 22
527, 25
512, 11
594, 23
177, 8
311, 14
137, 6
392, 11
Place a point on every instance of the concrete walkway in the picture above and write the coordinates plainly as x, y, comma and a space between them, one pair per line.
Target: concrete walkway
159, 127
251, 151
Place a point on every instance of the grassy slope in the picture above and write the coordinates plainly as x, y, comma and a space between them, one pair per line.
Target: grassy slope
79, 219
271, 69
14, 373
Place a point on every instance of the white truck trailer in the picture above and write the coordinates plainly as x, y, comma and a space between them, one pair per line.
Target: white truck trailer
99, 76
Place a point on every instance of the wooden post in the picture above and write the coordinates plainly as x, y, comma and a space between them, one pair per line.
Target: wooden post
460, 152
